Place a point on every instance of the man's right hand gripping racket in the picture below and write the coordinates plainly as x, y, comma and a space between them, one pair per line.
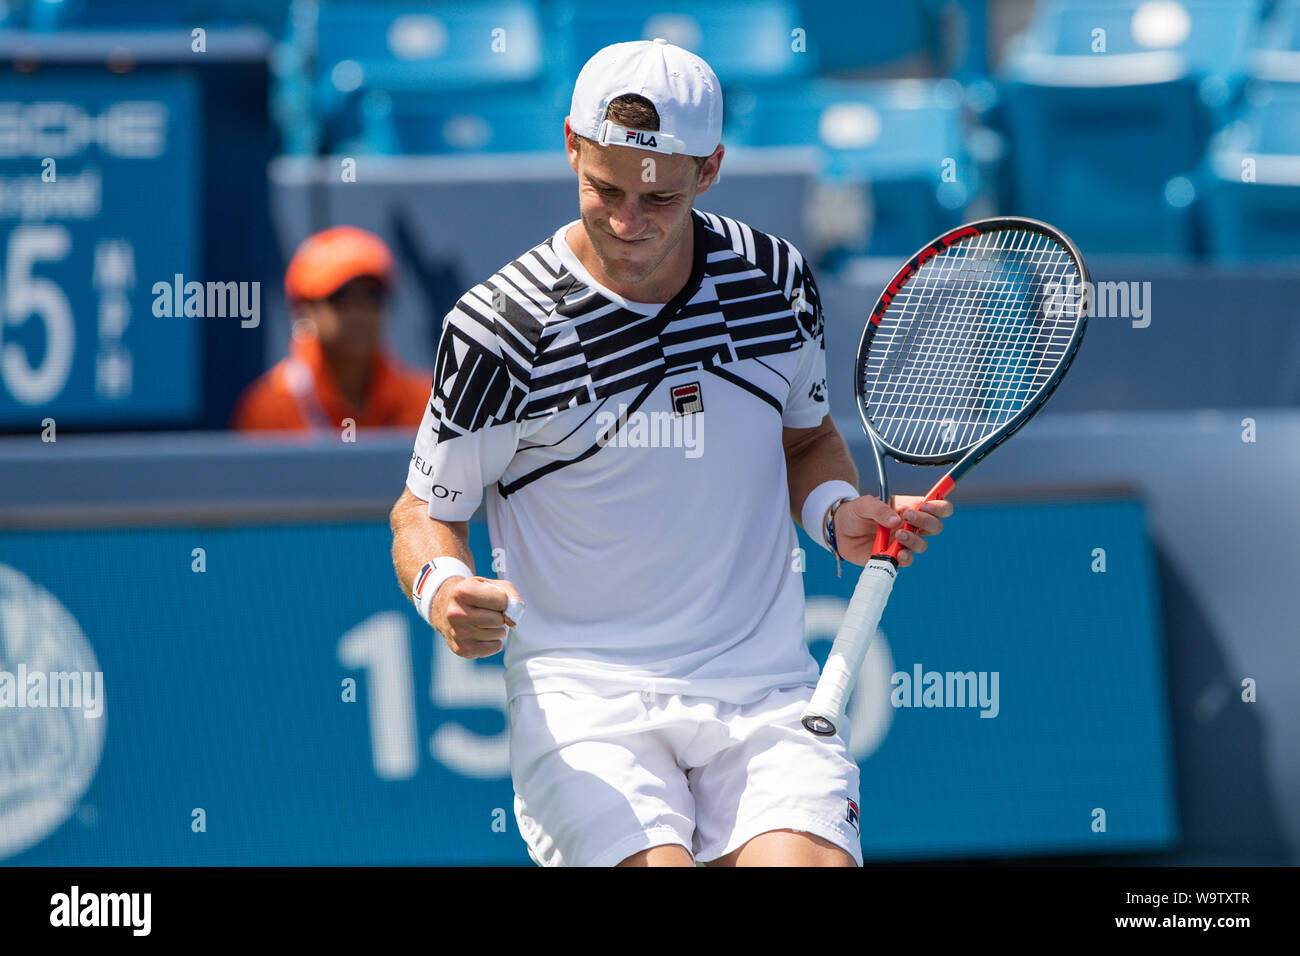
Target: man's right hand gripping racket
964, 346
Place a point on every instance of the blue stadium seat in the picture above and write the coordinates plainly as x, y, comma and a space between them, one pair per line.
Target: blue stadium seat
1109, 106
402, 47
866, 33
443, 49
1212, 36
1099, 163
944, 37
1281, 29
1253, 179
271, 14
901, 141
51, 15
406, 123
751, 42
1277, 57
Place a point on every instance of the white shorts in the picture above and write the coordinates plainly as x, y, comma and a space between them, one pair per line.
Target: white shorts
599, 778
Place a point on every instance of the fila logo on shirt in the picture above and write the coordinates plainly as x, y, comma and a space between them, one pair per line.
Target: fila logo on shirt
687, 399
852, 815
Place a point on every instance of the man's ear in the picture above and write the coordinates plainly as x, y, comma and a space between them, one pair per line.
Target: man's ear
571, 144
709, 171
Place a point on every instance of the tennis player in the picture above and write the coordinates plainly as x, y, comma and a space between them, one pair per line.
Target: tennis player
657, 677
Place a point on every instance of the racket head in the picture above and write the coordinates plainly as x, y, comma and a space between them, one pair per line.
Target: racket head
970, 339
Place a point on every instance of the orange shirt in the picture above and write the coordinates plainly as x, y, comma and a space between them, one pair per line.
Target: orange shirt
299, 393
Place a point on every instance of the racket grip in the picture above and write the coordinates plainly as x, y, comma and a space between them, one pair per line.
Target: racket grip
824, 714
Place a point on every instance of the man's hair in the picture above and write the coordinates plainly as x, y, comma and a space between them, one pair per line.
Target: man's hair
635, 112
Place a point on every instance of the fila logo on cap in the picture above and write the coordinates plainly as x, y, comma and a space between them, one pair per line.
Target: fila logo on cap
611, 134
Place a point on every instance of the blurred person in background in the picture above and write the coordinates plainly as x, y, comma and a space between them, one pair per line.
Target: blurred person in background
337, 368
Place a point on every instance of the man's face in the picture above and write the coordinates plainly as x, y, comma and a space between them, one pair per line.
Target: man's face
636, 204
350, 321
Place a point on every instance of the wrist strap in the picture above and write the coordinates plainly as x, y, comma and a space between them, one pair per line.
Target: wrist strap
431, 577
830, 534
818, 502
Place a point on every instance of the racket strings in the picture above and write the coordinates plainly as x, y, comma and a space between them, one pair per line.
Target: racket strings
970, 340
1004, 338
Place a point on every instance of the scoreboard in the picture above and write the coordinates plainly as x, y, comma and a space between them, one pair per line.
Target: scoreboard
99, 201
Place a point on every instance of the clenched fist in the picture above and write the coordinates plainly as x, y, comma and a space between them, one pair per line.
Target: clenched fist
470, 613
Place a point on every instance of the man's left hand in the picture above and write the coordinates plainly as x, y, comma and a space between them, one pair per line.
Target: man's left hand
856, 522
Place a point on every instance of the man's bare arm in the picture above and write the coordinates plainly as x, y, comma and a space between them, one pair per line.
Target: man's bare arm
812, 456
468, 612
417, 538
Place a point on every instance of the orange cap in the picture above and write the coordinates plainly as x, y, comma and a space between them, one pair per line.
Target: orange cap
328, 259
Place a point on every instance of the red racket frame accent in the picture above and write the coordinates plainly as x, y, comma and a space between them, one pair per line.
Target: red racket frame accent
918, 260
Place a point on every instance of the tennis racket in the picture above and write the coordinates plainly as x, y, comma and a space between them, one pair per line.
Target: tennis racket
964, 346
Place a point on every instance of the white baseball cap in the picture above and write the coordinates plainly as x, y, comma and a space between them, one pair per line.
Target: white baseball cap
681, 86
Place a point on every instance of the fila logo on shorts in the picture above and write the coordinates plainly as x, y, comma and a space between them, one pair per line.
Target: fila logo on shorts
852, 815
687, 399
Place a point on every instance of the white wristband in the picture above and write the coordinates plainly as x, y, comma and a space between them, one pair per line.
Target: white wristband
431, 577
435, 573
816, 505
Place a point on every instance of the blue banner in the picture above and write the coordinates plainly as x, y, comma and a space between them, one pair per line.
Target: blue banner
98, 203
265, 695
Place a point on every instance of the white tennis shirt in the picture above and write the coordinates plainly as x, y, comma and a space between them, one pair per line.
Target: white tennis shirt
632, 462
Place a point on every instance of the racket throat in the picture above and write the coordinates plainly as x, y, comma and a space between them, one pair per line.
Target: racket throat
881, 549
888, 550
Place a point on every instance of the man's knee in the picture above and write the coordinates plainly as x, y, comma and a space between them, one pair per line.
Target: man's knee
787, 848
669, 854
